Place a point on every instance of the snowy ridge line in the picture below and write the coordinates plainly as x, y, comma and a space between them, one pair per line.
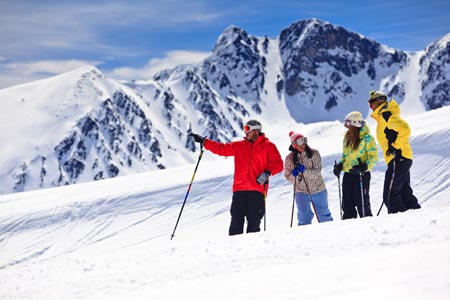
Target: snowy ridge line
86, 126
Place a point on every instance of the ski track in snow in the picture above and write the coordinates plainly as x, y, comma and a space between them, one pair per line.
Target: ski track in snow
111, 239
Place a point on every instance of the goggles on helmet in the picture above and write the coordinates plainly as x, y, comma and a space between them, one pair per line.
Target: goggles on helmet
381, 97
348, 123
248, 128
300, 141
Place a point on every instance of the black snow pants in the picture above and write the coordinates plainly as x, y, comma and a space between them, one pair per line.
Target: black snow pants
246, 204
351, 195
399, 197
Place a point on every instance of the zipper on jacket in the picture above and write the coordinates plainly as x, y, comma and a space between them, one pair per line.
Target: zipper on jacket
249, 164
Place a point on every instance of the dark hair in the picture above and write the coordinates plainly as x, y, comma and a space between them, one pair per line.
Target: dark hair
352, 137
308, 150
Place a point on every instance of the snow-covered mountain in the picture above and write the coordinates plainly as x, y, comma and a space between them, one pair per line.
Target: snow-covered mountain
110, 239
82, 126
435, 71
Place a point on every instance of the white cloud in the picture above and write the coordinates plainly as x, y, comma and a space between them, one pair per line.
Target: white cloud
89, 27
13, 73
170, 60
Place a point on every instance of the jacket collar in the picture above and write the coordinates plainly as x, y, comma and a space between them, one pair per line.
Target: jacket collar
261, 138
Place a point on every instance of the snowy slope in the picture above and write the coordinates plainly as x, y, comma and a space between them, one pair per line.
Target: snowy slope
111, 239
37, 106
83, 126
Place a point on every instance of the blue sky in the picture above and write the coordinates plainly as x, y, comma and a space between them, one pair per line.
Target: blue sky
134, 38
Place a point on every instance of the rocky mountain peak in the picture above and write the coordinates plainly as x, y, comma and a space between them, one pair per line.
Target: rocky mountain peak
231, 36
86, 126
435, 69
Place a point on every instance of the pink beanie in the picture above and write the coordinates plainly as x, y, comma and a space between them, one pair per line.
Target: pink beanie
294, 136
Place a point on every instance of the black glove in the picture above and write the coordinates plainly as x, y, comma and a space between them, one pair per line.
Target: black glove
337, 168
363, 167
358, 169
355, 170
198, 138
263, 177
391, 150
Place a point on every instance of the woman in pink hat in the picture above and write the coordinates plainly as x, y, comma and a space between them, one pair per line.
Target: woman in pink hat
304, 165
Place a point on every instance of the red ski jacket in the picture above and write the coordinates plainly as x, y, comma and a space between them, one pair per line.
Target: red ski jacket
250, 160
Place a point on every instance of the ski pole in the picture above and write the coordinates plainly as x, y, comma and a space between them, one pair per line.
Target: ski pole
310, 198
361, 174
340, 197
265, 196
389, 194
293, 200
189, 188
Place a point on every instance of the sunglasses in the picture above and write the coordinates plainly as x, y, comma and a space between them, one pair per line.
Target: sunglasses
300, 141
248, 128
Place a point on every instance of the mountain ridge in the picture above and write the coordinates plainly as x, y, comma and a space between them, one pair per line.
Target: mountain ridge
86, 126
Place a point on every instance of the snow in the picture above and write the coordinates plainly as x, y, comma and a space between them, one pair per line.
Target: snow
410, 75
31, 110
111, 239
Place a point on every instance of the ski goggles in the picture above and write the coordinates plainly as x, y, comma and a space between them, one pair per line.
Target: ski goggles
300, 141
348, 123
382, 97
248, 128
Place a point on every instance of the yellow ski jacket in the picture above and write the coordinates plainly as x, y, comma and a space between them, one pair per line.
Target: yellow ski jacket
367, 151
392, 129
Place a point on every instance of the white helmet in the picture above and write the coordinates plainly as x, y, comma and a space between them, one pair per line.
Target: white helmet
354, 118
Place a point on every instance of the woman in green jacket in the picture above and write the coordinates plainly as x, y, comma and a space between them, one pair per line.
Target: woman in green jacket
359, 156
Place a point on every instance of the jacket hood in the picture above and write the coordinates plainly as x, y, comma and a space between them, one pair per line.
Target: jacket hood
364, 131
391, 106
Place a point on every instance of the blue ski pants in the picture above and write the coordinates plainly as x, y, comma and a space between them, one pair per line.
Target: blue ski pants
320, 202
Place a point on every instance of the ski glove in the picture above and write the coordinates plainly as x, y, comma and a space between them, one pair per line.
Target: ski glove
300, 169
357, 169
198, 138
393, 151
263, 177
363, 167
337, 168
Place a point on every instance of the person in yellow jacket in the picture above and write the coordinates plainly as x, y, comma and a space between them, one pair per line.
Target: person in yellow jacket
393, 136
359, 156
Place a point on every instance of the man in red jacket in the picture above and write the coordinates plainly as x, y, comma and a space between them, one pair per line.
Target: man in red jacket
255, 159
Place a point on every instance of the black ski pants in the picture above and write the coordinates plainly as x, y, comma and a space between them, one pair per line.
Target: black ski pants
246, 204
351, 195
399, 197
